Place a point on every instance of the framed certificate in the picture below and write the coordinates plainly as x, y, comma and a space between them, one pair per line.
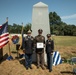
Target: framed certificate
40, 45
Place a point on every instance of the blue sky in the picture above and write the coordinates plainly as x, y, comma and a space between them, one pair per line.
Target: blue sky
19, 11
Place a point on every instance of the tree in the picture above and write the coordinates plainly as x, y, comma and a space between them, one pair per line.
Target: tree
27, 27
55, 22
54, 18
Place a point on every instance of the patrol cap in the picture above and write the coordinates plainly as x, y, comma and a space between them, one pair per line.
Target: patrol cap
48, 35
29, 32
40, 30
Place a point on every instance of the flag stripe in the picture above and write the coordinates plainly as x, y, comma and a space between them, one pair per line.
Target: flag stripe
54, 54
4, 44
4, 35
60, 61
57, 60
3, 40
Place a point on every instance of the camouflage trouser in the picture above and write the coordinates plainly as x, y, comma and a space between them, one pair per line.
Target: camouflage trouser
40, 59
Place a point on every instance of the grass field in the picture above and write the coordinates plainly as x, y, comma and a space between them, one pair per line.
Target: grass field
64, 40
66, 45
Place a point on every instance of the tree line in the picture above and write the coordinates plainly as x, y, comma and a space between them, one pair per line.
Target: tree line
16, 28
57, 26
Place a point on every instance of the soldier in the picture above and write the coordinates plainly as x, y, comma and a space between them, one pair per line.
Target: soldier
39, 44
49, 51
28, 47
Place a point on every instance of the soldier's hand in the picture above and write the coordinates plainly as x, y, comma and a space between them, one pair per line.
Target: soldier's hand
34, 45
33, 51
51, 53
44, 45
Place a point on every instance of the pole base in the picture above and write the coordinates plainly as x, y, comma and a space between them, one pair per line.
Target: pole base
9, 57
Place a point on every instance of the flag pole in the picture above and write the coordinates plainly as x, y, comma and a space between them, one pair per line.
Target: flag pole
21, 36
6, 19
21, 42
9, 41
9, 57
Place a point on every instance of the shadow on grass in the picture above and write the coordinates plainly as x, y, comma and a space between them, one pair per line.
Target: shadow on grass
4, 58
67, 72
22, 61
14, 52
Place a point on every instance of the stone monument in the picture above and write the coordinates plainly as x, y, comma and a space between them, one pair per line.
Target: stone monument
40, 19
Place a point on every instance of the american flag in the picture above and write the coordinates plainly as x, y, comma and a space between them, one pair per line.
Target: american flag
4, 35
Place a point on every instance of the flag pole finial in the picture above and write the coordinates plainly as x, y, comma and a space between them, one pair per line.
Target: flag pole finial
6, 19
22, 23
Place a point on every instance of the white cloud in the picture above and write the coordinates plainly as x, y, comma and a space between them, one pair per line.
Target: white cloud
69, 17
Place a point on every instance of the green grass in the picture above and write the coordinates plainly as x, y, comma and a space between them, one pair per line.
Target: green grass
64, 40
66, 45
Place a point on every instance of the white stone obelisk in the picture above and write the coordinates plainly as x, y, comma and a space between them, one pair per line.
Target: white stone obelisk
40, 19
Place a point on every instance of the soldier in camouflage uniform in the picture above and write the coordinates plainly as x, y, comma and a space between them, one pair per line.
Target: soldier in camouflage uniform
28, 48
40, 51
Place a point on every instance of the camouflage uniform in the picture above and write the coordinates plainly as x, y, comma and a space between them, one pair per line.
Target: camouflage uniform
40, 51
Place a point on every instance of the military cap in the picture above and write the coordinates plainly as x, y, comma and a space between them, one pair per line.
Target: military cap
48, 35
29, 31
40, 30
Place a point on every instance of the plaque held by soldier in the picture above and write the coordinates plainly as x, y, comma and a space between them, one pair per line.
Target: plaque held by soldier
40, 45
